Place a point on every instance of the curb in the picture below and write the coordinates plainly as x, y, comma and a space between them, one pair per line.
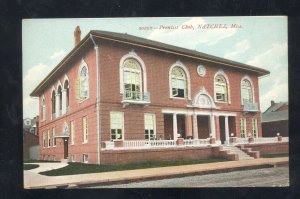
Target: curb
88, 184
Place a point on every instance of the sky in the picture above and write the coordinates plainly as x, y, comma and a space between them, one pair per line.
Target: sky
257, 41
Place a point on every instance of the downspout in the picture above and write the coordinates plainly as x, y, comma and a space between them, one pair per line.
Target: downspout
98, 97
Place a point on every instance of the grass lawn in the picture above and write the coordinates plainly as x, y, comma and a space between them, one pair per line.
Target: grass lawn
80, 168
275, 155
38, 161
30, 166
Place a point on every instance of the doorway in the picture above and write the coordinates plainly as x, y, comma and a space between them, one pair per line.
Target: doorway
203, 126
222, 129
65, 140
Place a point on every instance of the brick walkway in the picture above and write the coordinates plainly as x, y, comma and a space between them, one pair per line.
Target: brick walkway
33, 180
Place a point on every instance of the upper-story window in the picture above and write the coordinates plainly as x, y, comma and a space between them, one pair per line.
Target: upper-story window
84, 83
43, 108
246, 91
53, 101
133, 81
132, 77
59, 93
221, 88
66, 95
178, 83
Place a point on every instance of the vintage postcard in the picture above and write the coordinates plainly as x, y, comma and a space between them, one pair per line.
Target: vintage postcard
155, 102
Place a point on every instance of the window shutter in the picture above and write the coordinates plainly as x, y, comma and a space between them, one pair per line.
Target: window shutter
77, 89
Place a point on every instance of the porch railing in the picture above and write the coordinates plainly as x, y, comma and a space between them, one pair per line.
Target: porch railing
130, 144
266, 140
250, 107
197, 142
136, 96
260, 140
242, 141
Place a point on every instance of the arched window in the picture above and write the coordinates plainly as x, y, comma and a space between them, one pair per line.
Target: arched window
59, 93
84, 83
44, 108
221, 88
246, 91
178, 82
53, 104
132, 79
66, 90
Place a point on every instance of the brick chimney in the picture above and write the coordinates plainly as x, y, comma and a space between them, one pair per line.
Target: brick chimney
272, 102
77, 34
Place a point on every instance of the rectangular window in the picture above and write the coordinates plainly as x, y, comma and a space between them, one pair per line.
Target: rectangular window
243, 127
44, 157
44, 139
85, 158
72, 132
116, 125
72, 158
85, 129
49, 158
254, 127
149, 120
54, 158
53, 137
49, 139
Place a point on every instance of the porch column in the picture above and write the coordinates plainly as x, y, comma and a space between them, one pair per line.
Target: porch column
57, 105
213, 126
188, 122
226, 130
195, 127
174, 126
64, 96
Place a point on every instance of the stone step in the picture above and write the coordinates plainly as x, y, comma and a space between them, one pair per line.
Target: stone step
241, 154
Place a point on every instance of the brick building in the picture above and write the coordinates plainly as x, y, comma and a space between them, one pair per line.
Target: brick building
30, 138
276, 120
120, 91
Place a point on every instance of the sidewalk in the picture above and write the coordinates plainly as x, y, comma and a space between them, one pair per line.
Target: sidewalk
33, 180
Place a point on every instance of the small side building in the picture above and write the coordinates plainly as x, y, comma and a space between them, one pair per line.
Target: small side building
276, 120
30, 138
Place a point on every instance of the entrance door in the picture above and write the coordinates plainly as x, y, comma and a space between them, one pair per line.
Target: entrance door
65, 148
181, 125
222, 129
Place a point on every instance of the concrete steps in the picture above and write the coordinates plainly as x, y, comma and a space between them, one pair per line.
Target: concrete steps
234, 150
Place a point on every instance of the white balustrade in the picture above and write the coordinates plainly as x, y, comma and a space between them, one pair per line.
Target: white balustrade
285, 139
242, 141
197, 142
265, 140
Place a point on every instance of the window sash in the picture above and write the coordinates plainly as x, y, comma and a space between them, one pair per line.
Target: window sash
254, 127
85, 129
116, 125
49, 139
53, 137
72, 132
243, 127
149, 120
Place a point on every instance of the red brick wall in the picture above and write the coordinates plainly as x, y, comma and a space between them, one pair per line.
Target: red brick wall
270, 148
77, 111
129, 156
157, 68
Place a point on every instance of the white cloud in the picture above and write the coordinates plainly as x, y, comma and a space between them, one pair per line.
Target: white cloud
196, 36
239, 48
274, 60
58, 54
279, 93
272, 57
31, 79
